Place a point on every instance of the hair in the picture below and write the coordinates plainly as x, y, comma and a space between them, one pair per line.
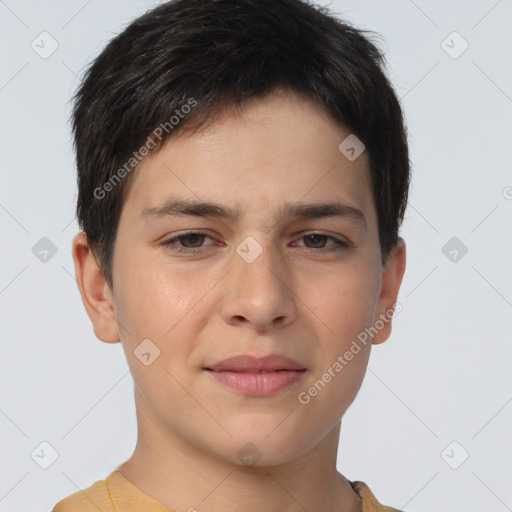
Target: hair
212, 54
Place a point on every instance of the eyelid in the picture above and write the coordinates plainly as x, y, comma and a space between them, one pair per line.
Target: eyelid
339, 243
337, 238
177, 236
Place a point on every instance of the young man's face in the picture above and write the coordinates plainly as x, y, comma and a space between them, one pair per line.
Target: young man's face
260, 283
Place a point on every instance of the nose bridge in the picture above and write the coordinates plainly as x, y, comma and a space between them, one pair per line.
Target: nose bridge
257, 265
259, 291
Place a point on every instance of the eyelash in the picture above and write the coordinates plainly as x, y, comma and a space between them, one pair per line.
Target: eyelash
340, 245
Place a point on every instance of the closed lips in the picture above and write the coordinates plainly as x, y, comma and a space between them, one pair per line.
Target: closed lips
252, 364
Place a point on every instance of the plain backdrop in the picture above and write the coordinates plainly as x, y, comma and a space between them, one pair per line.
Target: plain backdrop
431, 427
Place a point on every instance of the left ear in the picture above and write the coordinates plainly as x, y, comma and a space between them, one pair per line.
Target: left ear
392, 275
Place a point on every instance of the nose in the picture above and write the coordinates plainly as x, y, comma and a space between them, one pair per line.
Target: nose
258, 292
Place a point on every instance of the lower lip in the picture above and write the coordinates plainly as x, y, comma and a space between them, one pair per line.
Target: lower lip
258, 384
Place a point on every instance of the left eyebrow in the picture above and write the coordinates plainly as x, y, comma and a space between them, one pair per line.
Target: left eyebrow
316, 210
323, 210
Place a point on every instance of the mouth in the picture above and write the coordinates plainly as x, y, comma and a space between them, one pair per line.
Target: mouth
252, 364
257, 371
260, 383
254, 376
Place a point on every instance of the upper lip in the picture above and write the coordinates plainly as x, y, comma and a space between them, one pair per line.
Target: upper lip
248, 363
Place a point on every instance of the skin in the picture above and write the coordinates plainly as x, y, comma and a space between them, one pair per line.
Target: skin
295, 299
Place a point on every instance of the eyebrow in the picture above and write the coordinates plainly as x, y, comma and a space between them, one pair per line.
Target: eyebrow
317, 210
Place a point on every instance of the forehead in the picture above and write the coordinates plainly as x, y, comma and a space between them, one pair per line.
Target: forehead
280, 149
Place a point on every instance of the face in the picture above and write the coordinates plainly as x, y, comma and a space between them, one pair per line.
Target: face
254, 275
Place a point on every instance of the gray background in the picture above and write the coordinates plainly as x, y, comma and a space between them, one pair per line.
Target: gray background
443, 377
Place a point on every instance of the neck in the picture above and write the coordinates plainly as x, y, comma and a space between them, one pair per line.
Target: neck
184, 477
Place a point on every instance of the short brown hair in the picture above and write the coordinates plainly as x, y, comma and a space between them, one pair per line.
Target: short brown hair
221, 52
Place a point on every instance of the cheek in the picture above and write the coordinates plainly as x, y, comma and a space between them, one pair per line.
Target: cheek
155, 307
151, 298
166, 306
344, 308
345, 301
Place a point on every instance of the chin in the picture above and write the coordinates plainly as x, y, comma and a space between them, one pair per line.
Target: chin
259, 451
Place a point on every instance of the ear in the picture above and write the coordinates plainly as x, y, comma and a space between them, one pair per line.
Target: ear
96, 294
392, 274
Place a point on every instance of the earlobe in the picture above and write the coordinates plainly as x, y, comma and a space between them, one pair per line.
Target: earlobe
392, 275
96, 295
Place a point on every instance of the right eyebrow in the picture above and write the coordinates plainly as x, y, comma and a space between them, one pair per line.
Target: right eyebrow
191, 207
315, 210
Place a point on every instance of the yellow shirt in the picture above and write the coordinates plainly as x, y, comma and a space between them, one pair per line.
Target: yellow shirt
117, 494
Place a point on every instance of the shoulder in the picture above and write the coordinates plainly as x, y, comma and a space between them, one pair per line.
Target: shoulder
94, 498
368, 500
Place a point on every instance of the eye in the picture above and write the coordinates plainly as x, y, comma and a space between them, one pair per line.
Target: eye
190, 241
319, 240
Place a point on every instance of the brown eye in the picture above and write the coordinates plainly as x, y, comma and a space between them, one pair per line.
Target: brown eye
317, 241
191, 240
187, 242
